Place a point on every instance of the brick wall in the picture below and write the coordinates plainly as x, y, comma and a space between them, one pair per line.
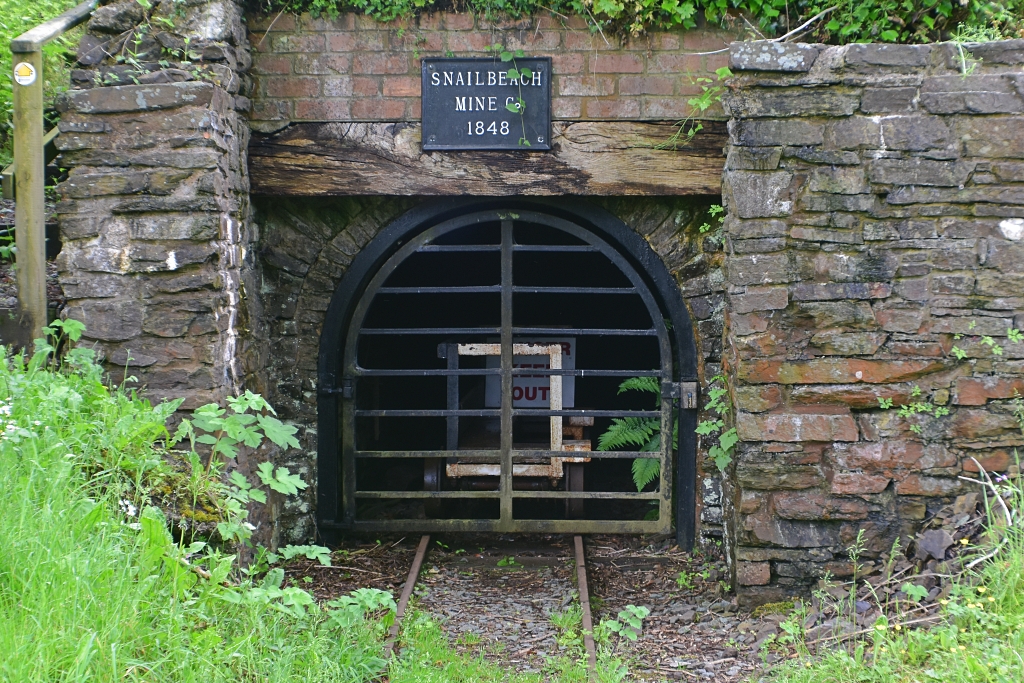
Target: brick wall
356, 69
875, 203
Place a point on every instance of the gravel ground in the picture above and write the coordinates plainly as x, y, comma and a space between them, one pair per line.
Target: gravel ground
694, 631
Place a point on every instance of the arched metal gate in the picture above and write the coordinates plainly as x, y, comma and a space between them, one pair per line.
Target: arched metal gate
470, 359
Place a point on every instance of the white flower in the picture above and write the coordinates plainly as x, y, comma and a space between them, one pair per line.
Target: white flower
248, 526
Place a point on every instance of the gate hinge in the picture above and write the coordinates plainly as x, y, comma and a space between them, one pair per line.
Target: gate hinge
686, 392
346, 390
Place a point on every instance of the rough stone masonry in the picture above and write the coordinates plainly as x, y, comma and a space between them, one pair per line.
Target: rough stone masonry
875, 199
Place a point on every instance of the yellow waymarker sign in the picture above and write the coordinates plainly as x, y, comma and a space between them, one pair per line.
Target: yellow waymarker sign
24, 74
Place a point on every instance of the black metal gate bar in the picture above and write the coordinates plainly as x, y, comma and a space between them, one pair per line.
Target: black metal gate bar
505, 484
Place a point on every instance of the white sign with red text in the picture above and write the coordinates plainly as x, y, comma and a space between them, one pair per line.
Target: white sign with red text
532, 391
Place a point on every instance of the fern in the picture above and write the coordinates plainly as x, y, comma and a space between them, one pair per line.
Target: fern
628, 431
645, 470
644, 433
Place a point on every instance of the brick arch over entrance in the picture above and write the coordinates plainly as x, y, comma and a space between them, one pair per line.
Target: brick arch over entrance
307, 247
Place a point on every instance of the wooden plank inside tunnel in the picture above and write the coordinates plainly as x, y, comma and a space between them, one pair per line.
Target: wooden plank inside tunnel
588, 158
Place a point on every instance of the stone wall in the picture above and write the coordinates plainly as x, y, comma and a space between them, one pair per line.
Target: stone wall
354, 68
307, 245
155, 212
875, 201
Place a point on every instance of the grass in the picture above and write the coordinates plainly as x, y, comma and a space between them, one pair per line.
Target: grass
16, 17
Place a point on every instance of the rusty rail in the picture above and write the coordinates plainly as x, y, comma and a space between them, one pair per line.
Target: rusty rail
588, 620
403, 601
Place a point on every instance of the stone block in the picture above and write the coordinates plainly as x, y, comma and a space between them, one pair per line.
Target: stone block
792, 534
918, 171
760, 195
922, 485
774, 476
773, 132
796, 426
992, 136
753, 158
108, 319
856, 132
885, 54
187, 226
888, 100
976, 94
815, 505
854, 396
977, 391
916, 133
753, 573
975, 424
760, 299
997, 52
858, 483
849, 314
815, 155
836, 371
831, 291
783, 102
759, 269
838, 180
757, 399
133, 98
837, 202
763, 55
754, 229
993, 460
833, 343
823, 235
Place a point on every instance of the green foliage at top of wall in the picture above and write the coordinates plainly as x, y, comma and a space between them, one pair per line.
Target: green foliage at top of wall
835, 21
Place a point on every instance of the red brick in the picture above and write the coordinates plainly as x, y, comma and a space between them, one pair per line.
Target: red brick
854, 483
322, 64
566, 108
533, 42
674, 64
716, 62
616, 64
976, 391
269, 64
567, 63
402, 86
430, 22
380, 64
577, 40
665, 41
322, 110
920, 485
646, 85
293, 86
303, 42
356, 41
794, 426
338, 86
836, 371
459, 22
343, 22
586, 86
611, 108
378, 110
366, 87
701, 41
413, 109
469, 42
667, 108
283, 22
753, 573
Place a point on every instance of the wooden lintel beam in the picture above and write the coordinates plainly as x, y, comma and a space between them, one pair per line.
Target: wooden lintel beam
588, 158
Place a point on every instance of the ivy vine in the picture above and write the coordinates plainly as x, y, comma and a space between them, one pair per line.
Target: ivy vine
840, 21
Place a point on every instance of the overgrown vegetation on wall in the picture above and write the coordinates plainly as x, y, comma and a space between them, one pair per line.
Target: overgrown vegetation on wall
835, 21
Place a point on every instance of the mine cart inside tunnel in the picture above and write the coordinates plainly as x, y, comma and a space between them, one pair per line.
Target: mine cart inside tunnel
477, 365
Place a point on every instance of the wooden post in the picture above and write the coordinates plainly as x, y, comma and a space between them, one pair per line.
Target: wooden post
29, 215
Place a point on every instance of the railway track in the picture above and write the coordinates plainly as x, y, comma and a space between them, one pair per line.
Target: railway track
582, 584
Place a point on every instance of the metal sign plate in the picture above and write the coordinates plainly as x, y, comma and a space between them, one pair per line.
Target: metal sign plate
466, 104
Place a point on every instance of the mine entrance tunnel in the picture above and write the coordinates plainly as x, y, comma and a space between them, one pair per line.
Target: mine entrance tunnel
472, 358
